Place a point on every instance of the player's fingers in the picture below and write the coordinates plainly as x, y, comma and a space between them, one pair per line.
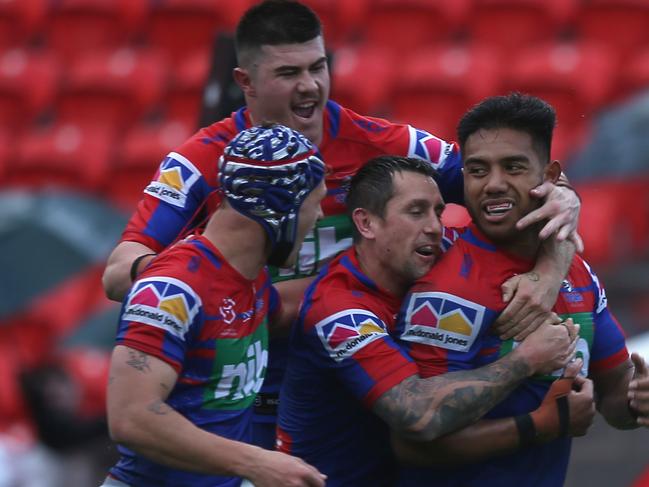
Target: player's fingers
640, 365
534, 217
522, 326
507, 318
572, 369
524, 333
542, 190
553, 226
579, 243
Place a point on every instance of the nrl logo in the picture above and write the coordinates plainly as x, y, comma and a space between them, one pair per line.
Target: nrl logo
227, 311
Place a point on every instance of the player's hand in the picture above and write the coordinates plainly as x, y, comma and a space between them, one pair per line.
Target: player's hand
530, 300
639, 390
551, 346
561, 211
581, 403
276, 469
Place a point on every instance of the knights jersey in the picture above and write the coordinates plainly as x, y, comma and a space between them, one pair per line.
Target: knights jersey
194, 311
341, 360
445, 326
183, 191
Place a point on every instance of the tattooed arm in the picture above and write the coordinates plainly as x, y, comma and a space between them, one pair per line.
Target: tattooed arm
139, 418
425, 409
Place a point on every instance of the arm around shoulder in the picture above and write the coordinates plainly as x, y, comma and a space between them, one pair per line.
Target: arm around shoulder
117, 274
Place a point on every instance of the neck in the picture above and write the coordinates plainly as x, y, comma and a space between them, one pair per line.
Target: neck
242, 241
525, 246
382, 276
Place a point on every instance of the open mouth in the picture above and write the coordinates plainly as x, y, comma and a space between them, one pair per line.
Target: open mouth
497, 210
427, 250
305, 110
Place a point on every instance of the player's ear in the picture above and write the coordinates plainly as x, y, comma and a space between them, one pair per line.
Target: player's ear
553, 171
244, 80
364, 223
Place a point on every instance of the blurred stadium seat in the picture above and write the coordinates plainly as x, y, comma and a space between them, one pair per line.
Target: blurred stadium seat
78, 27
576, 78
363, 78
29, 81
341, 19
406, 25
21, 21
112, 88
512, 24
438, 84
68, 155
178, 27
623, 25
634, 74
183, 97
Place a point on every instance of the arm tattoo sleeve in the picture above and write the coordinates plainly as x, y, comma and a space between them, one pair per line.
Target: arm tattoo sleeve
424, 409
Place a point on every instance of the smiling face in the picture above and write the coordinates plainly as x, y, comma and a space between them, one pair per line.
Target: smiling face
288, 84
405, 240
501, 166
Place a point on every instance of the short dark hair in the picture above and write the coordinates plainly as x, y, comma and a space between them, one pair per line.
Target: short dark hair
274, 22
516, 111
372, 186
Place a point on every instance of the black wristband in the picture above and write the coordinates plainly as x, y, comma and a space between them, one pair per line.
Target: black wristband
526, 430
136, 263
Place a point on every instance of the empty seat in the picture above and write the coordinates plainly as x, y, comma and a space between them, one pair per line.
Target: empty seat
178, 27
623, 25
363, 78
112, 88
21, 22
29, 81
76, 27
576, 78
437, 85
404, 25
512, 24
65, 154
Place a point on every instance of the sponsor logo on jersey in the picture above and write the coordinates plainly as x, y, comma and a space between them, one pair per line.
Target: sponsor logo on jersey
428, 147
162, 302
346, 332
175, 177
240, 378
602, 302
442, 320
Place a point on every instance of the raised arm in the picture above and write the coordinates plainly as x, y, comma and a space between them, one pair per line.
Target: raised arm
425, 409
140, 419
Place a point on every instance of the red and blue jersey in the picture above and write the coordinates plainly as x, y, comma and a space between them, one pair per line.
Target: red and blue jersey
194, 311
342, 359
445, 326
183, 192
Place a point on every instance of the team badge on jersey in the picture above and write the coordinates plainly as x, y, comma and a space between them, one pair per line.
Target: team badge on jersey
175, 177
428, 147
344, 333
442, 320
162, 302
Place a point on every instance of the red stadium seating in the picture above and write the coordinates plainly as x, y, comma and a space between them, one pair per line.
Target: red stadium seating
634, 74
29, 81
183, 98
341, 19
362, 78
623, 25
77, 27
576, 78
437, 85
178, 27
20, 22
512, 24
404, 25
138, 157
112, 88
66, 155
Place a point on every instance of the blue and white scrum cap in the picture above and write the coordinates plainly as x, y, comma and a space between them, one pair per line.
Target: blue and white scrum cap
266, 174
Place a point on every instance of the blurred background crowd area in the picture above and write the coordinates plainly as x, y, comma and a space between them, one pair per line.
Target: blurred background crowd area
94, 93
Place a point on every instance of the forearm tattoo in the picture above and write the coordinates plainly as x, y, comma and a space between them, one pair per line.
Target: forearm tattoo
438, 405
139, 361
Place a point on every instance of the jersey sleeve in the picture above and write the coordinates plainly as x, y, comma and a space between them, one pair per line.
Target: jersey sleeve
353, 343
158, 317
172, 202
609, 346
